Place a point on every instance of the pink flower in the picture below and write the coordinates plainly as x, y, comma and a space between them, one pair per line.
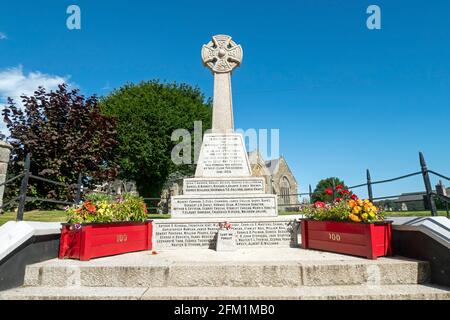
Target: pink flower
319, 204
225, 225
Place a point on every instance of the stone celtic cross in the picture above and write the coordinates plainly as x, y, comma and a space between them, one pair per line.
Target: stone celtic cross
222, 55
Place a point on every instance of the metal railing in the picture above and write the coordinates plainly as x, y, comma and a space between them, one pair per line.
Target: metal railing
429, 194
425, 172
23, 198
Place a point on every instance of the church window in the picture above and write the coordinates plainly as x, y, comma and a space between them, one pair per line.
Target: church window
285, 190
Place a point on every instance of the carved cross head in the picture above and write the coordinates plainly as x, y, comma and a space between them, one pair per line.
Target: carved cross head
222, 54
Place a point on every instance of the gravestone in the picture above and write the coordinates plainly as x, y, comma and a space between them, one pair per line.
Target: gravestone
223, 188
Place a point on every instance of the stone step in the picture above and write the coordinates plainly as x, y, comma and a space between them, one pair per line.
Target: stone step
353, 292
281, 267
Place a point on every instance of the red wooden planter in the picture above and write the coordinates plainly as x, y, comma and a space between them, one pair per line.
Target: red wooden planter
369, 240
104, 239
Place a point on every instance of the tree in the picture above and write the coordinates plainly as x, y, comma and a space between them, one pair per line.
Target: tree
147, 114
65, 133
322, 190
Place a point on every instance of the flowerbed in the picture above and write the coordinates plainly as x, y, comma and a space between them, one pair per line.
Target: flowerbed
347, 225
102, 226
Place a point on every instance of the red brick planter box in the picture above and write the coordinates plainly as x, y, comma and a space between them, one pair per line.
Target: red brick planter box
104, 239
369, 240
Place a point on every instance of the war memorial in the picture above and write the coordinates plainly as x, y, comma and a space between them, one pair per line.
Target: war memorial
225, 239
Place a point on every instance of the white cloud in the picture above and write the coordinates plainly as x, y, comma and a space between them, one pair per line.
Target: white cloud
15, 83
3, 36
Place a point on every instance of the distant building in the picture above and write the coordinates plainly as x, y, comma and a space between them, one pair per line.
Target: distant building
279, 178
416, 201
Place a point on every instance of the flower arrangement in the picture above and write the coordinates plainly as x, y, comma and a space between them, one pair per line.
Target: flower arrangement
104, 209
225, 225
346, 207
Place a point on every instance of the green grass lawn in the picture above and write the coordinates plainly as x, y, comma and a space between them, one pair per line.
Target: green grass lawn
35, 215
53, 216
413, 213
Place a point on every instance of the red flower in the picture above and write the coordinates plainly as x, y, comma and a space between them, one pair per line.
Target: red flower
329, 191
319, 204
354, 197
338, 200
89, 207
344, 191
339, 187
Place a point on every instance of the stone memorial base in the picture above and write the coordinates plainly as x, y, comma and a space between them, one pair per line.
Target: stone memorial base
225, 206
281, 231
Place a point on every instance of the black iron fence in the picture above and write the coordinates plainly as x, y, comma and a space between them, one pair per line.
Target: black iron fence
430, 195
154, 204
23, 198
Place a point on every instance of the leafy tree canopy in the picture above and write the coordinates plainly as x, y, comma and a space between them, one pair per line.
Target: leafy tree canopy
320, 192
147, 114
65, 133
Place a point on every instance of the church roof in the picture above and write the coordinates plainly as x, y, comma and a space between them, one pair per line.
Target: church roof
272, 165
253, 156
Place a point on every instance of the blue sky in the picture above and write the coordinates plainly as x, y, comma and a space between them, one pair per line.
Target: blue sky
344, 97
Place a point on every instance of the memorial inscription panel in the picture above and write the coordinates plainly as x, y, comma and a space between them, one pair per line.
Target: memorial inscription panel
223, 155
226, 206
210, 186
204, 234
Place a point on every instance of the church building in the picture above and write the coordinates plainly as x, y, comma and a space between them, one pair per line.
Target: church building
278, 176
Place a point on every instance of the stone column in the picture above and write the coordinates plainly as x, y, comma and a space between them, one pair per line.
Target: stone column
222, 55
222, 119
5, 150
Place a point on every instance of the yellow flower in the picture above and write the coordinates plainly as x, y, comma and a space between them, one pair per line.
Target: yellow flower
352, 203
372, 214
364, 216
360, 202
356, 210
354, 218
